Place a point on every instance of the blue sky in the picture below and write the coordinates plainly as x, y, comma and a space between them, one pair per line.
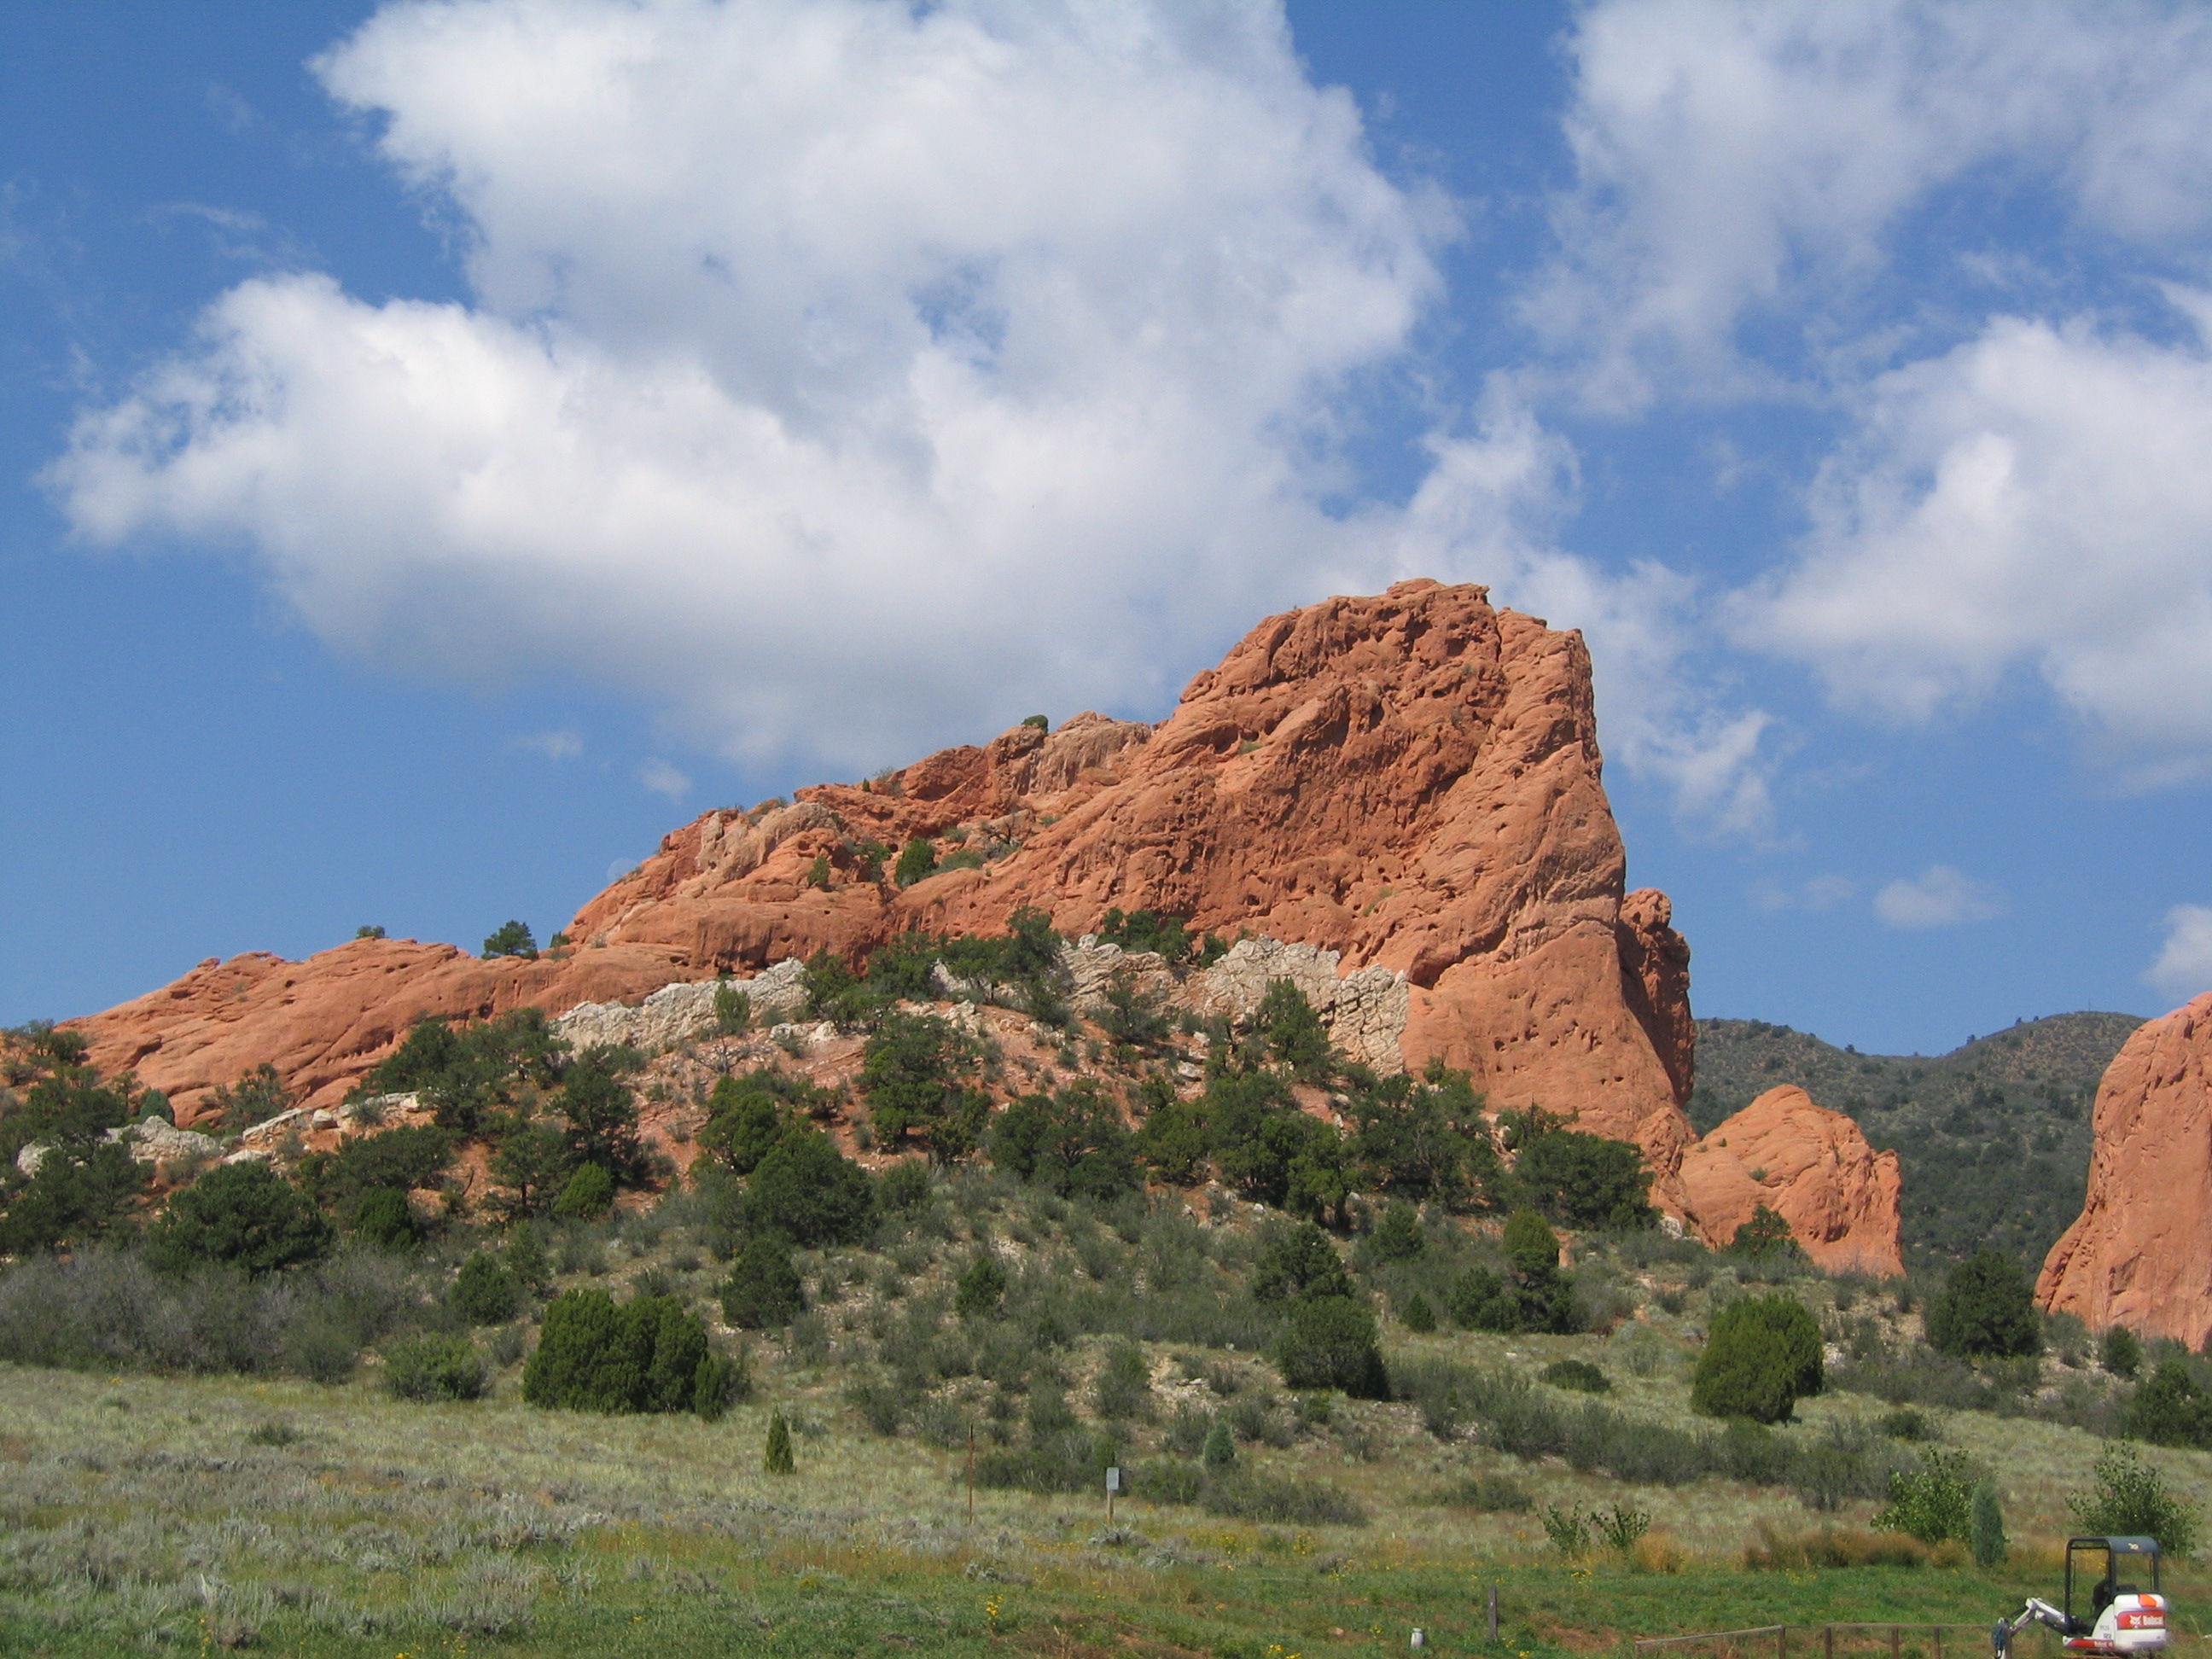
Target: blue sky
448, 446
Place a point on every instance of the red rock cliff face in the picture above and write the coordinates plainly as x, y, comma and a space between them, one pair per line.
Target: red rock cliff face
2141, 1255
1412, 780
1810, 1166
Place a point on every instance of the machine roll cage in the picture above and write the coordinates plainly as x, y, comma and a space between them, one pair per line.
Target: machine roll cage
2107, 1585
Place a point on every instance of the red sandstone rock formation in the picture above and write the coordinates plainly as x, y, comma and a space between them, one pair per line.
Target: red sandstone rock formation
2141, 1255
1411, 780
1810, 1166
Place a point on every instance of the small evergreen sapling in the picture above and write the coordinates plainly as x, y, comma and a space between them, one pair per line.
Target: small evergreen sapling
776, 1457
1220, 1452
1989, 1539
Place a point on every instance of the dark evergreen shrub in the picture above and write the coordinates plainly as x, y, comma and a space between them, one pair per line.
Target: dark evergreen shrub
2170, 1409
1586, 1181
1763, 1354
1542, 1298
1175, 1141
744, 1120
1481, 1301
763, 1291
808, 1190
915, 1075
433, 1367
384, 1218
1298, 1260
1294, 1033
1424, 1139
241, 1215
82, 1193
733, 1009
904, 1188
982, 1287
1419, 1316
1397, 1235
917, 861
593, 1356
1766, 1234
1985, 1308
1124, 1388
1578, 1375
714, 1386
486, 1290
1072, 1144
255, 1098
511, 939
2120, 1352
601, 1114
1329, 1342
404, 1160
589, 1194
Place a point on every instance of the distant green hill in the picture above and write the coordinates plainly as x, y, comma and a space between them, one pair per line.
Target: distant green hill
1993, 1137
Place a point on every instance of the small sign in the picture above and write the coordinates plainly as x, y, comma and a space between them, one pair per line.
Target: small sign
1113, 1479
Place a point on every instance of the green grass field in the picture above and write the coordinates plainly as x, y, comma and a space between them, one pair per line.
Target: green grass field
195, 1514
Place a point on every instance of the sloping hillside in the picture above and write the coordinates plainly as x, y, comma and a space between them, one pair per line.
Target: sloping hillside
1993, 1136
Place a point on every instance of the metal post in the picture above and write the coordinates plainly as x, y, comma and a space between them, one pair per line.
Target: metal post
971, 1477
1493, 1613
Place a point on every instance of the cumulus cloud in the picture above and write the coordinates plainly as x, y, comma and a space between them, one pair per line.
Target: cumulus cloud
1939, 896
663, 779
846, 376
1929, 222
1489, 504
2036, 500
2184, 968
1743, 167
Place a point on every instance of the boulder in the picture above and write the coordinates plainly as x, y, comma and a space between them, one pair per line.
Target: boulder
1810, 1166
2140, 1253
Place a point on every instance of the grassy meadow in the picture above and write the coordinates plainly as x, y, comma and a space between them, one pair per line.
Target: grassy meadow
180, 1514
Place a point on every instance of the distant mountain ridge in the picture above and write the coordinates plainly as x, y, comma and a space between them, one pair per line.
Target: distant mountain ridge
1993, 1136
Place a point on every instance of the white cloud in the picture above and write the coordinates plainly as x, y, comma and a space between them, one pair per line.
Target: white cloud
2184, 968
663, 779
1939, 896
553, 745
2037, 500
1746, 165
844, 376
1483, 513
